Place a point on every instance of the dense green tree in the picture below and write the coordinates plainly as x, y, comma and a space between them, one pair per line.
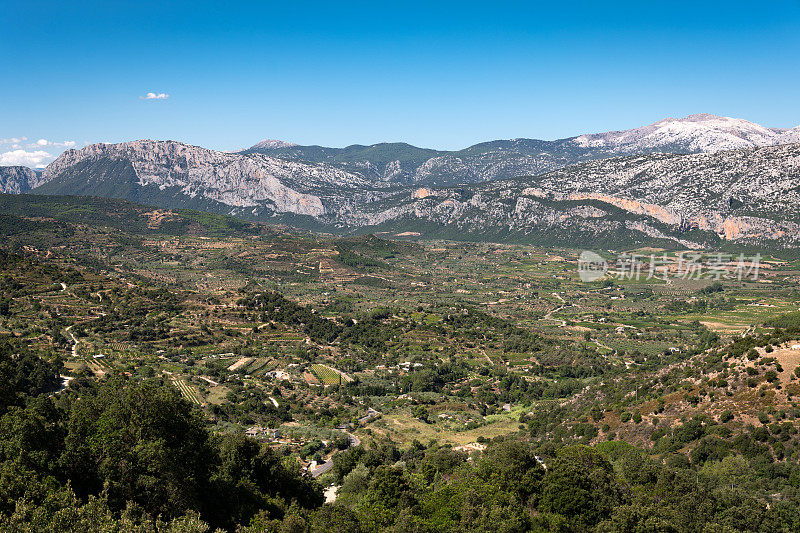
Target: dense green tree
580, 485
141, 443
513, 466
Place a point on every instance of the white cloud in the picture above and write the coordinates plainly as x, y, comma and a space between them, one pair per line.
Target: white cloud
35, 159
34, 153
13, 140
154, 96
45, 142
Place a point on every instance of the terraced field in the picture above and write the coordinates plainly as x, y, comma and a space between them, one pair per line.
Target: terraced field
330, 376
188, 392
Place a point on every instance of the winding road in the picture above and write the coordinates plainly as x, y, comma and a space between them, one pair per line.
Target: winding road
354, 441
74, 341
327, 465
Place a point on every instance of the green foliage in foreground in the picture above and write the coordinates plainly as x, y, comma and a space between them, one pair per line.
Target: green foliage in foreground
126, 455
611, 487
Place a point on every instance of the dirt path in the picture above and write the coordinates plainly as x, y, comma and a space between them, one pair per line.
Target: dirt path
601, 345
64, 383
74, 341
556, 310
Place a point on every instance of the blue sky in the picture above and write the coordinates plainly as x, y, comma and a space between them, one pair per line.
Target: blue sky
445, 75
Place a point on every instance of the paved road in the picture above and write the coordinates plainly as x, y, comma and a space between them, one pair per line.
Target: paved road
354, 441
321, 469
327, 465
371, 413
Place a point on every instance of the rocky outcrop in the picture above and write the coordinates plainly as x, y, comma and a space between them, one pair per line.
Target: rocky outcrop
695, 133
272, 144
17, 179
749, 196
231, 179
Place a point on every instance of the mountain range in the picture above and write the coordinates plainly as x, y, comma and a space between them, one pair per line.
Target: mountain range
696, 181
400, 163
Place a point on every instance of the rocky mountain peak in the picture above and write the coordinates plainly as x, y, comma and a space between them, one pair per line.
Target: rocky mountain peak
700, 132
271, 144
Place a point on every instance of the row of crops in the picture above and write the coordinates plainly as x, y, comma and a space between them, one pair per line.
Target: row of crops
327, 375
188, 391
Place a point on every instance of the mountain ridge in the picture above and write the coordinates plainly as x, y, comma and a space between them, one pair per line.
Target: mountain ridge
747, 195
402, 163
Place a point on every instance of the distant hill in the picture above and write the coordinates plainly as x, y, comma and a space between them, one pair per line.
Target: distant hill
741, 197
27, 212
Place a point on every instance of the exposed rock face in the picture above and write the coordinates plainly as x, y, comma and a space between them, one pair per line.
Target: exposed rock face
749, 196
272, 144
695, 133
17, 179
231, 179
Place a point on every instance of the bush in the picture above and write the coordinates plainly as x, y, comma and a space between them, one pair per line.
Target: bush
725, 416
